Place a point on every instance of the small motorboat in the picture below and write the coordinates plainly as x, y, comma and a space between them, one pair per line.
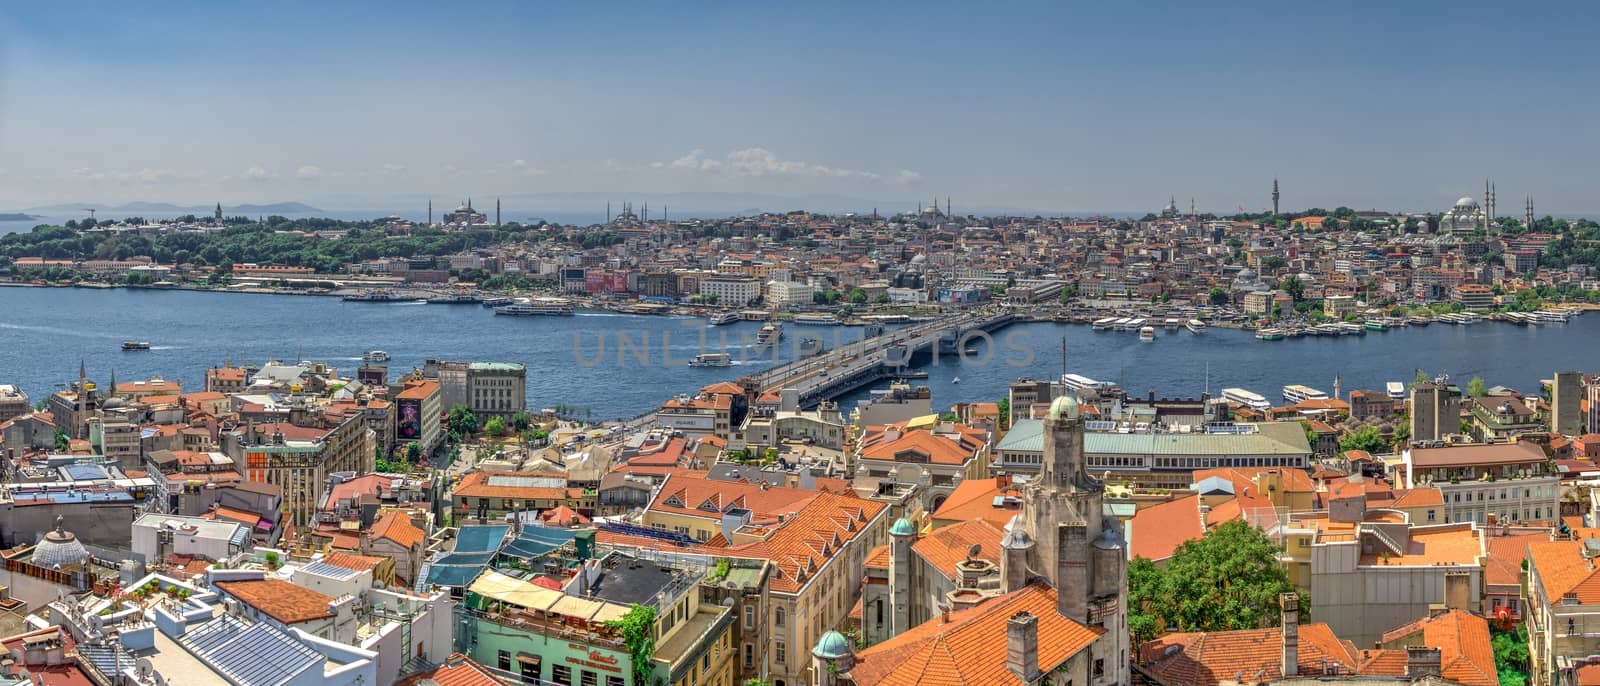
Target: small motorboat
136, 345
375, 356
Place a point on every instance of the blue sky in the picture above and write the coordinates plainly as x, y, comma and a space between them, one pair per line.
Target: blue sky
1053, 106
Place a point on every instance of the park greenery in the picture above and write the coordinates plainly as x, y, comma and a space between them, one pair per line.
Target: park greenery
1367, 438
1226, 580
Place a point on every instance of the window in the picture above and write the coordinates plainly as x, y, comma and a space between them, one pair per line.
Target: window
1430, 515
613, 680
561, 674
779, 653
777, 617
1099, 668
504, 661
749, 616
588, 678
749, 656
529, 671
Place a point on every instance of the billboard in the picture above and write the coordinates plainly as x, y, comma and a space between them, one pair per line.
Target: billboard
409, 424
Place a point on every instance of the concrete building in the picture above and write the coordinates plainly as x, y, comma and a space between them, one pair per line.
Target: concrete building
156, 536
299, 459
1561, 614
418, 408
926, 451
1435, 410
13, 402
489, 389
1488, 484
782, 294
1475, 297
1337, 306
1566, 411
1161, 460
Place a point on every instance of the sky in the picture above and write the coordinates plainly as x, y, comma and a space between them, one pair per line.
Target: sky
1059, 106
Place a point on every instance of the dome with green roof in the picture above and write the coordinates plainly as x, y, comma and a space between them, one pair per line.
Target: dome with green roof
833, 645
902, 527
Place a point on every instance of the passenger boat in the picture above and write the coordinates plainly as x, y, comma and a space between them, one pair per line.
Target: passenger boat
1269, 335
769, 334
1377, 325
1247, 398
1079, 382
1396, 390
1419, 321
136, 345
812, 319
538, 307
711, 360
1172, 323
1103, 323
376, 295
375, 356
1147, 334
722, 318
1295, 394
497, 302
1195, 326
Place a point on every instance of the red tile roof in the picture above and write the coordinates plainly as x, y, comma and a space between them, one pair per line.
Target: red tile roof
1156, 531
971, 647
1465, 654
458, 670
279, 599
1210, 658
397, 527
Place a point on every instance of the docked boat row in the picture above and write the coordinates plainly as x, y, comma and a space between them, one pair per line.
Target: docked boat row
1296, 393
1249, 399
810, 319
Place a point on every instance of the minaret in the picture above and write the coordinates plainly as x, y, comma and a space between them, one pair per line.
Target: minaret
496, 211
1336, 394
430, 211
1530, 213
219, 213
1485, 204
82, 425
1494, 211
1274, 196
946, 205
608, 211
1192, 214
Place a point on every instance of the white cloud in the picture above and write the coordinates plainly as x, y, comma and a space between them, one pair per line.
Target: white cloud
907, 177
309, 171
257, 173
759, 162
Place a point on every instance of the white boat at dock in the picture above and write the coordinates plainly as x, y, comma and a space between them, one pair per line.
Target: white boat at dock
711, 360
1195, 326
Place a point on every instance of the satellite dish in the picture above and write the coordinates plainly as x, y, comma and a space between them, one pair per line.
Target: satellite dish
145, 668
972, 552
97, 622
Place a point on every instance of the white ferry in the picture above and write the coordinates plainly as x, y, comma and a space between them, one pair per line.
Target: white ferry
812, 319
1552, 316
1172, 323
1295, 394
1079, 382
1247, 398
1133, 324
533, 308
723, 318
711, 360
1396, 390
769, 334
1103, 323
375, 356
1195, 326
1147, 334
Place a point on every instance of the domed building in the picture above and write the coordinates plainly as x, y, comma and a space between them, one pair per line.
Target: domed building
1464, 218
1248, 281
60, 550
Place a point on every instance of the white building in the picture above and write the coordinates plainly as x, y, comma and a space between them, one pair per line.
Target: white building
155, 536
788, 293
731, 290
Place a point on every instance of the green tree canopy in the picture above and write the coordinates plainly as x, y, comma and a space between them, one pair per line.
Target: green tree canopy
462, 421
1294, 287
1367, 439
495, 426
1227, 579
521, 421
1218, 296
1475, 387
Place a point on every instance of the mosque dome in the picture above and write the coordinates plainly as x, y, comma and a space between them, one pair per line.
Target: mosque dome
832, 646
1064, 407
59, 549
1466, 202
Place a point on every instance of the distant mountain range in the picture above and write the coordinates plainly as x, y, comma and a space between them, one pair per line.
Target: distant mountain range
163, 208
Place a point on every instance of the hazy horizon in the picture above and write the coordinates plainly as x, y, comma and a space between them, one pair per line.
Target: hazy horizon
1045, 108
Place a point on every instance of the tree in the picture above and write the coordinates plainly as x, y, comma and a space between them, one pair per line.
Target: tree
1510, 646
1367, 439
881, 298
1475, 387
63, 441
462, 421
521, 421
1226, 580
1005, 412
413, 452
1272, 263
495, 426
1218, 296
1068, 292
638, 630
858, 296
1293, 286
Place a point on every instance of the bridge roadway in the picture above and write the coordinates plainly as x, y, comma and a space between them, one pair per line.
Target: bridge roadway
860, 363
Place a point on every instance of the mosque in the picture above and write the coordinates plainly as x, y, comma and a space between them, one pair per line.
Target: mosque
1466, 217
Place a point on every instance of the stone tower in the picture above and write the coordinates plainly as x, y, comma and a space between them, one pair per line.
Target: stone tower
1274, 197
902, 535
1064, 537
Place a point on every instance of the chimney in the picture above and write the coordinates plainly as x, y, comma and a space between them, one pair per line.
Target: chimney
1289, 620
1458, 591
1022, 646
1422, 662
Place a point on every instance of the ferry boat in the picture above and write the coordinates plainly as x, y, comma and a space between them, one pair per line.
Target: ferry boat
375, 356
1552, 316
1377, 325
769, 334
1396, 390
1103, 323
1133, 324
1296, 393
535, 308
1172, 323
810, 347
711, 360
812, 319
1147, 334
1079, 382
497, 302
1419, 321
1195, 326
1269, 335
723, 318
888, 318
1246, 398
455, 299
136, 345
376, 295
